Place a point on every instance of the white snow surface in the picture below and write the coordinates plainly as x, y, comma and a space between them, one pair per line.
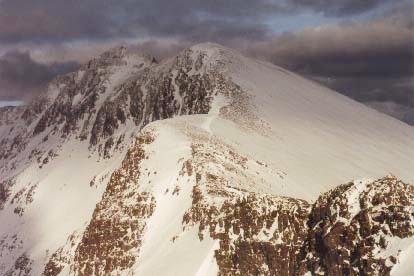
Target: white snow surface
321, 138
315, 140
405, 264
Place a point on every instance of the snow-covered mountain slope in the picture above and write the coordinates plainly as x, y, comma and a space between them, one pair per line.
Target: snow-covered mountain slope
206, 163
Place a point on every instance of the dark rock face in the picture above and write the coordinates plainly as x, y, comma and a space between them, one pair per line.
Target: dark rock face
16, 124
157, 94
22, 266
345, 232
5, 193
87, 84
269, 233
118, 221
259, 234
108, 95
352, 222
53, 266
8, 114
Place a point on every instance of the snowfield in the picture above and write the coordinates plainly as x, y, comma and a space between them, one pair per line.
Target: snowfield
145, 184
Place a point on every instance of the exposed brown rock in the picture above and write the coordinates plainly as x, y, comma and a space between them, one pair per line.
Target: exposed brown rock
5, 191
343, 235
54, 266
62, 257
261, 234
119, 219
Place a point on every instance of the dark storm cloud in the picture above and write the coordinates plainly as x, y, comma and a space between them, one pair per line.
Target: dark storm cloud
21, 76
381, 47
52, 20
371, 61
62, 20
401, 112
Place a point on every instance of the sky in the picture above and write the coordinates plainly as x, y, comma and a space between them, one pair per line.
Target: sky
361, 48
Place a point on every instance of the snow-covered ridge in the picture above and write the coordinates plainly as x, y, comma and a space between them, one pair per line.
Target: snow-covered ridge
129, 164
108, 95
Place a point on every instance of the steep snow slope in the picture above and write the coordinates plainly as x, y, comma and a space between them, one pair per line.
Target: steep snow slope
218, 187
315, 135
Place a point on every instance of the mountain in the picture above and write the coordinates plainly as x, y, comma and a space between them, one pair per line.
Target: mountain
205, 163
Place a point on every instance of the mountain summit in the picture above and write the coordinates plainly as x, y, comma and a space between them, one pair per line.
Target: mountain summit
205, 163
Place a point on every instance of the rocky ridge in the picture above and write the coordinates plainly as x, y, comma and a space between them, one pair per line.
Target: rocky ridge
125, 140
353, 229
346, 231
107, 96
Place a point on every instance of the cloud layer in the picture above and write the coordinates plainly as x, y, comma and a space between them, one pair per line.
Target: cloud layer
368, 55
60, 20
21, 77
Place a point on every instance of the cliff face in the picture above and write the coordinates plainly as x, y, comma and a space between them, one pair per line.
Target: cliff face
355, 229
208, 163
358, 228
106, 96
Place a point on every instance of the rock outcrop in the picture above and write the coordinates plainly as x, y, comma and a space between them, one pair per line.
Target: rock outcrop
205, 163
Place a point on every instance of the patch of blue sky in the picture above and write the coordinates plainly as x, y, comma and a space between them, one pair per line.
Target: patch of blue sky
10, 103
308, 19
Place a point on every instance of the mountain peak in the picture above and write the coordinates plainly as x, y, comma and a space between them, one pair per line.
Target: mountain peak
207, 45
136, 161
110, 57
118, 56
115, 52
211, 48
